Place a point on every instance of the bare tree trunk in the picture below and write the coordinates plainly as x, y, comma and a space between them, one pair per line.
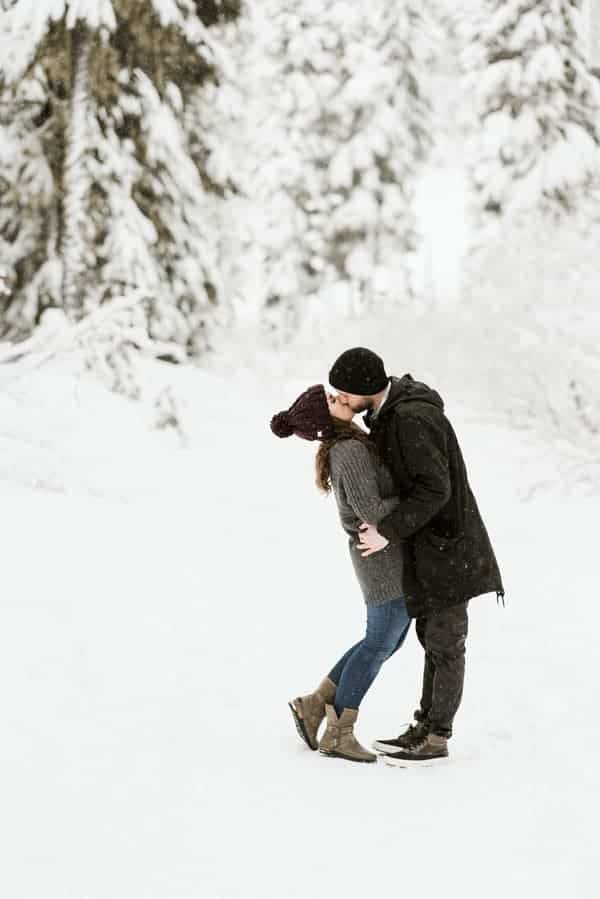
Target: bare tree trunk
75, 177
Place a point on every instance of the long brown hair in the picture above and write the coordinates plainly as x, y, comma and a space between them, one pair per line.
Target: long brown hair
344, 430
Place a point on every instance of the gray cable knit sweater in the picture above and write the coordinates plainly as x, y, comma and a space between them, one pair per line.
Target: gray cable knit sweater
364, 492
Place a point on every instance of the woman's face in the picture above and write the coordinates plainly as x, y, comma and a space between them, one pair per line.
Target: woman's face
337, 410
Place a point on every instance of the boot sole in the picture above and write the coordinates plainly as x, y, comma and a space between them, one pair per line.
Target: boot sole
301, 728
347, 758
415, 763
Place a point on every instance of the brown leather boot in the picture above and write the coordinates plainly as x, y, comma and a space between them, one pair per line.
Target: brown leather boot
339, 740
309, 711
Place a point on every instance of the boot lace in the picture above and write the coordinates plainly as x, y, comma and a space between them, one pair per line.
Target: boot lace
415, 738
414, 732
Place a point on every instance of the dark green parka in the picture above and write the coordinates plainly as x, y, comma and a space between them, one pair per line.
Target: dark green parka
448, 554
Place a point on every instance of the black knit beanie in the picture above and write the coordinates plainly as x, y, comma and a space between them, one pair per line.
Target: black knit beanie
359, 371
308, 417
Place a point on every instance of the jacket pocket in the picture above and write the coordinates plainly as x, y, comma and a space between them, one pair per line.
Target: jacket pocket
440, 562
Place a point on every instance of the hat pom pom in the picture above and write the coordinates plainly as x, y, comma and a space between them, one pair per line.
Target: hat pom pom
280, 425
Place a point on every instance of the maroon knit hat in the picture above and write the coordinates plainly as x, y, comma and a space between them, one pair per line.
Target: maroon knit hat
308, 417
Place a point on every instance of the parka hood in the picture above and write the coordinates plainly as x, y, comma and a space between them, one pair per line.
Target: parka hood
407, 390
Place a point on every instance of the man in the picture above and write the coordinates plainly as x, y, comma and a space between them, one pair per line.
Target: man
448, 557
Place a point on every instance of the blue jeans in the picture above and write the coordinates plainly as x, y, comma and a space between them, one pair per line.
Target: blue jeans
387, 627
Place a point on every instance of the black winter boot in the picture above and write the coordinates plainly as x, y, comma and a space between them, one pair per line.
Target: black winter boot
430, 750
414, 732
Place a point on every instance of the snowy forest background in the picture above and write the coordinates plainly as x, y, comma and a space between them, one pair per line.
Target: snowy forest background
202, 180
201, 204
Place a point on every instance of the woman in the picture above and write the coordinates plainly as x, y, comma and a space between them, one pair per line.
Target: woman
363, 488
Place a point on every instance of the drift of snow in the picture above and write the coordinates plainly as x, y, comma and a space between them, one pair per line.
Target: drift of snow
156, 621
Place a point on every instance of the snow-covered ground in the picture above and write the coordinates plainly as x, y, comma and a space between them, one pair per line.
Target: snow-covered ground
160, 605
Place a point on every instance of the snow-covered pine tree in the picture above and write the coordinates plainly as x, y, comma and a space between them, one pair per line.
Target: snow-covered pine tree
534, 160
29, 233
249, 141
592, 8
537, 129
102, 194
317, 140
354, 77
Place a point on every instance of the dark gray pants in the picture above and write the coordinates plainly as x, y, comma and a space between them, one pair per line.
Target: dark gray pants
442, 635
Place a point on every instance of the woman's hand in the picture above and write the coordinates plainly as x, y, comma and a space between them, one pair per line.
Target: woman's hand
371, 540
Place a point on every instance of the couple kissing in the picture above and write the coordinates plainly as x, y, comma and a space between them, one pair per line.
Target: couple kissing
418, 544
